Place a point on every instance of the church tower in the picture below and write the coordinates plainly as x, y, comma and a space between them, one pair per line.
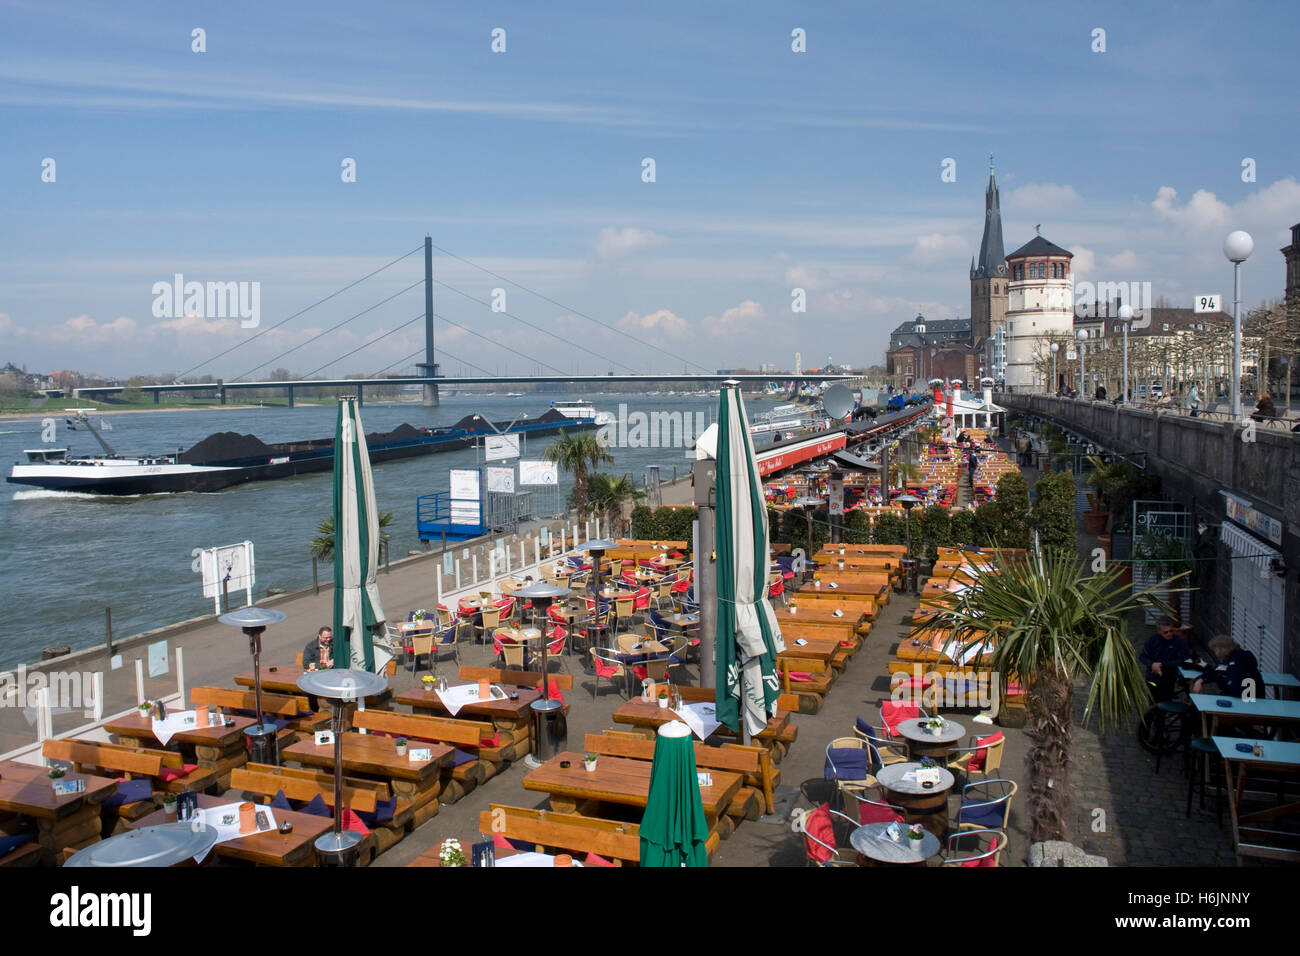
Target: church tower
988, 274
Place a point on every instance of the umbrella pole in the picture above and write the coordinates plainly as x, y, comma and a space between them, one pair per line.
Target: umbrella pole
706, 570
338, 768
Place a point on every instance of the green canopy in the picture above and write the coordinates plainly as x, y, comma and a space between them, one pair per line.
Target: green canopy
357, 610
748, 636
674, 828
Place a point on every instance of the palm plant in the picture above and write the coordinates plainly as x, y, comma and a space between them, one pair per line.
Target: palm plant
578, 455
607, 494
322, 546
1052, 624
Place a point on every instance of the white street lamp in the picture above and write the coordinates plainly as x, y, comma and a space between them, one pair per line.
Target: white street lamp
1237, 249
1125, 319
1082, 336
1055, 347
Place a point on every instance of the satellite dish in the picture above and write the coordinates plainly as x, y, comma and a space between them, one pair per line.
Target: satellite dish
837, 401
706, 446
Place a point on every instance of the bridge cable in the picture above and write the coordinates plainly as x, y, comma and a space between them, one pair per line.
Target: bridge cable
300, 312
366, 345
569, 309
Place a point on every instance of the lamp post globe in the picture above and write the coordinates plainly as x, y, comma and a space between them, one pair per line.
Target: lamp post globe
1055, 347
1237, 249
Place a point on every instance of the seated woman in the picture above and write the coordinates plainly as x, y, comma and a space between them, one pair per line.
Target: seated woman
1236, 672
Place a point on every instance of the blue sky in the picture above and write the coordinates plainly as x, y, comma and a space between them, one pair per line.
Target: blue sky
774, 170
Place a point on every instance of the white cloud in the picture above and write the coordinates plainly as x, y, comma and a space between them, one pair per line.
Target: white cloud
1203, 211
1125, 261
936, 247
615, 243
1041, 196
1084, 262
737, 319
662, 321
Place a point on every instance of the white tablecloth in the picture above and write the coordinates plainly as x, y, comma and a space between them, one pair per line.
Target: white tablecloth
213, 817
529, 860
176, 722
701, 717
462, 695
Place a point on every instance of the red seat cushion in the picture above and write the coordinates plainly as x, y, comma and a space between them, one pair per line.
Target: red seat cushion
891, 712
591, 859
988, 860
351, 821
169, 774
818, 824
976, 761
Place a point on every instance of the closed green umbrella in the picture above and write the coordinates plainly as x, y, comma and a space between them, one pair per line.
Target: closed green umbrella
673, 828
748, 636
357, 610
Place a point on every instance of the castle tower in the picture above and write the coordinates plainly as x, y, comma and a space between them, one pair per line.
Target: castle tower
988, 274
1040, 310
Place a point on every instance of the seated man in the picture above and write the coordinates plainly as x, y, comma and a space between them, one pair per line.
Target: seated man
1236, 670
1160, 657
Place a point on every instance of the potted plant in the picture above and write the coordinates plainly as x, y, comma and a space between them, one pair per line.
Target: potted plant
428, 680
56, 774
793, 607
663, 699
401, 746
916, 833
589, 762
451, 854
169, 805
145, 708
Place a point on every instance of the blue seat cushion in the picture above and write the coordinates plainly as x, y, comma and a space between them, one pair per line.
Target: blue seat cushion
280, 801
10, 843
990, 816
847, 763
459, 757
129, 791
384, 811
317, 807
865, 727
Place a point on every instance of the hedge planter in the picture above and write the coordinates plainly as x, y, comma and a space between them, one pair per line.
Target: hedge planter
1094, 522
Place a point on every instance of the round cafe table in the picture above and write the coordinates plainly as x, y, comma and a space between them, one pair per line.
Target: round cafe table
873, 842
925, 743
928, 807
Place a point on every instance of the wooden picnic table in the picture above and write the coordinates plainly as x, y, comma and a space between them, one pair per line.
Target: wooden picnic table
271, 848
71, 820
505, 713
816, 649
283, 679
821, 612
648, 714
218, 747
618, 780
368, 755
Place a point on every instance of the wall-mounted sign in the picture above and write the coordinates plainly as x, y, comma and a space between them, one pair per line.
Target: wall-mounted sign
501, 480
1243, 513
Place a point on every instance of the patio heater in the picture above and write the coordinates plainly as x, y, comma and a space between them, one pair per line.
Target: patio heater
546, 712
259, 738
909, 563
597, 551
340, 687
166, 844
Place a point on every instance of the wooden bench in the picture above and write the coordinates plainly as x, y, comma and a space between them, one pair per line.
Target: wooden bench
362, 796
288, 707
811, 693
778, 737
549, 831
753, 763
466, 735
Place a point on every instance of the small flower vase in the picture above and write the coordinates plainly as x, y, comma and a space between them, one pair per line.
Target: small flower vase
793, 609
663, 702
401, 749
169, 808
590, 765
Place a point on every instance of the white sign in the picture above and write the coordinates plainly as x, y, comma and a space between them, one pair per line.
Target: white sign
538, 473
835, 488
464, 495
498, 447
501, 480
231, 564
1071, 354
1207, 303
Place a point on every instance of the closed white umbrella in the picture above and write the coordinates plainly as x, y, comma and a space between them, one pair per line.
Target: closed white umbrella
357, 609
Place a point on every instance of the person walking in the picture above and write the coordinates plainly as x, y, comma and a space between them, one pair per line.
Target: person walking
1193, 400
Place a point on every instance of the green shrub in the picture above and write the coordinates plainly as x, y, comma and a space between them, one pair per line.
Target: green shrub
794, 527
643, 523
933, 528
774, 525
857, 527
1053, 512
673, 524
821, 530
1013, 510
889, 529
986, 521
961, 528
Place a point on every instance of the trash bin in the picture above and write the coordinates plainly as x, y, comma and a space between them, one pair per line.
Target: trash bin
907, 577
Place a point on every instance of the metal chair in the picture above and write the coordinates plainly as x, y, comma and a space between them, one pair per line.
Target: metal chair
514, 655
421, 646
974, 846
821, 845
890, 751
959, 758
607, 665
858, 773
446, 640
489, 621
869, 810
986, 804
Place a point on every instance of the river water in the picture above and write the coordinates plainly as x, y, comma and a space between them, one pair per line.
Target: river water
68, 556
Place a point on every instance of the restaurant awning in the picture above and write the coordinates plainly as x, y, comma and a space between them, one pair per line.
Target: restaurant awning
850, 460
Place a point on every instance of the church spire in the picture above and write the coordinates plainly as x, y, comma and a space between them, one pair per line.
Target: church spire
992, 261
